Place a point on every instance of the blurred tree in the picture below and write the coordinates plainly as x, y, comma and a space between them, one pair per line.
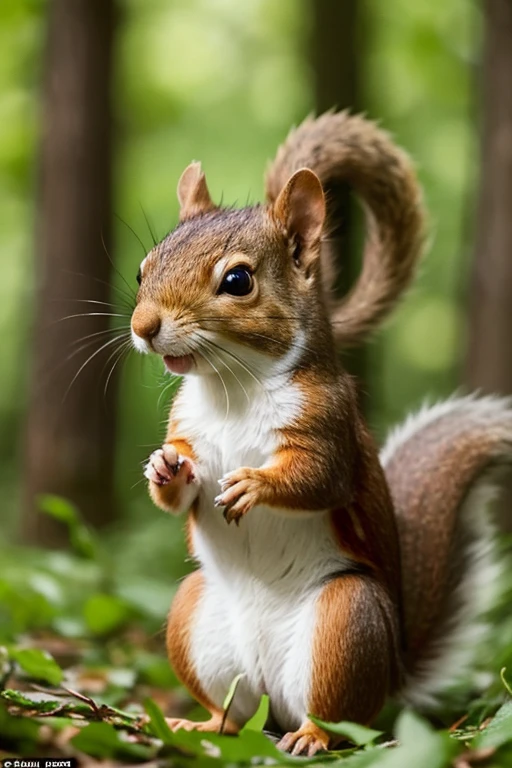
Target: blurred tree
489, 365
70, 439
335, 58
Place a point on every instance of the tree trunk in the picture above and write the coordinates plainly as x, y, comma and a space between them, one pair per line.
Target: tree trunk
70, 434
335, 55
489, 364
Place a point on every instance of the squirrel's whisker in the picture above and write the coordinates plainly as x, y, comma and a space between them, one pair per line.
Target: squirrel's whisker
131, 229
128, 299
240, 362
104, 332
149, 226
90, 301
167, 386
91, 357
119, 352
229, 369
204, 351
131, 291
50, 374
90, 314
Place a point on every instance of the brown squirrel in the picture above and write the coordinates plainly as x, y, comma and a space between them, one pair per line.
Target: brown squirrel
347, 577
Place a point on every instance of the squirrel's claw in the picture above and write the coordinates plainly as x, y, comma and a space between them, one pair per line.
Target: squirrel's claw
239, 493
308, 740
164, 465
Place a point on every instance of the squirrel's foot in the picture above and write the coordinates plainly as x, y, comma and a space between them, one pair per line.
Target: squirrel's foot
208, 726
308, 740
240, 491
165, 465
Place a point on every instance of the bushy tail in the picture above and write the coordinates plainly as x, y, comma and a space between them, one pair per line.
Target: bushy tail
441, 466
343, 148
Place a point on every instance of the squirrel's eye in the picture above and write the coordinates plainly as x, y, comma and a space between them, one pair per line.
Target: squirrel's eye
139, 276
237, 282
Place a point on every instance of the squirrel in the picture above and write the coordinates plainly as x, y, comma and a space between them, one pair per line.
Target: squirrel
330, 576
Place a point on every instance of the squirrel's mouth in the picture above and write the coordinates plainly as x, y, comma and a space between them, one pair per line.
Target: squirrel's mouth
178, 365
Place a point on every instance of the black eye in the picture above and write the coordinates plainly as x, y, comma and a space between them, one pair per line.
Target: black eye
139, 276
237, 282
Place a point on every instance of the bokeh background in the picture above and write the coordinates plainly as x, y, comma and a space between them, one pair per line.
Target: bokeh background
102, 105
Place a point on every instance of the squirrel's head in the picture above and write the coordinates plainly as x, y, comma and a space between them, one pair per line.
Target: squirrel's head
227, 285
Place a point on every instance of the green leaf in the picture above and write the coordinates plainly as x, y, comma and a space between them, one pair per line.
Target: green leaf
39, 702
157, 722
505, 681
80, 536
155, 670
231, 692
499, 730
104, 613
236, 749
21, 732
412, 729
357, 734
38, 664
260, 717
59, 508
420, 745
43, 703
102, 740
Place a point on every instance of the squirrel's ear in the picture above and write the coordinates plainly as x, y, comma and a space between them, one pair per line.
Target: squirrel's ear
300, 208
193, 194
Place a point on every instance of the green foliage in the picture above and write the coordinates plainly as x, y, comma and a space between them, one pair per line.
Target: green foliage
357, 734
102, 740
258, 720
80, 536
38, 664
232, 691
499, 731
157, 723
221, 82
120, 735
105, 613
97, 684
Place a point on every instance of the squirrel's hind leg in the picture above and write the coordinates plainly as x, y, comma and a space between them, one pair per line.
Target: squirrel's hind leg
353, 652
204, 657
213, 725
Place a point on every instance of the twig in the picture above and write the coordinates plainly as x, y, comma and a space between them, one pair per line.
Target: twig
85, 699
457, 723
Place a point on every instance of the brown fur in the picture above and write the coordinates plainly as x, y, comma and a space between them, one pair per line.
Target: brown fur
325, 458
178, 643
146, 320
354, 614
168, 497
430, 476
341, 147
193, 194
179, 277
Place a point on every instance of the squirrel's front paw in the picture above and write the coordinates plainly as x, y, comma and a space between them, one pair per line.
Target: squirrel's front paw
240, 491
165, 465
172, 479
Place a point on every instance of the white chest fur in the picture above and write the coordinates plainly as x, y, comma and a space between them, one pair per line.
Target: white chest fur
262, 577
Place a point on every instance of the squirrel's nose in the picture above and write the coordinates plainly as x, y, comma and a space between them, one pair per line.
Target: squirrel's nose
146, 322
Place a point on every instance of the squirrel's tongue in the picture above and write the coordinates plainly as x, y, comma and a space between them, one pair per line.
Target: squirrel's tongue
178, 365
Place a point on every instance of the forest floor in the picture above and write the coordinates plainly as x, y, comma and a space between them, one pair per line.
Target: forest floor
83, 675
